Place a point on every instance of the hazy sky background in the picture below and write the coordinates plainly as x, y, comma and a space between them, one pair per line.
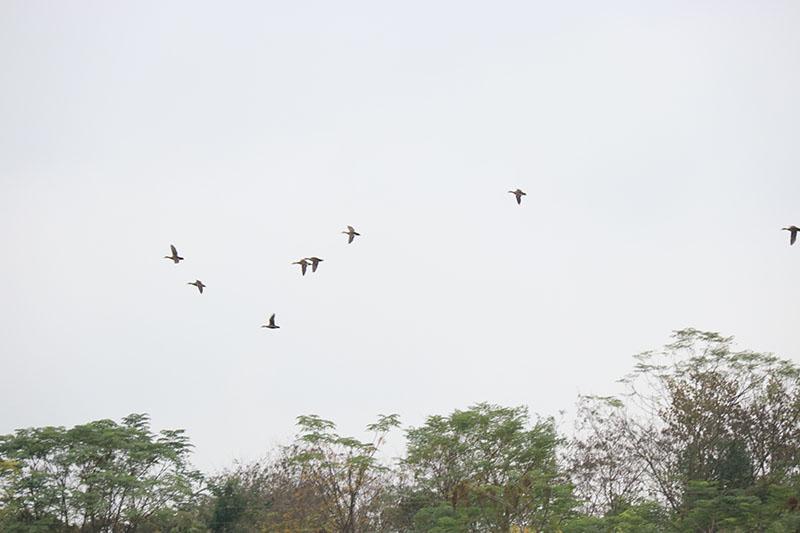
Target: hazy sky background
657, 141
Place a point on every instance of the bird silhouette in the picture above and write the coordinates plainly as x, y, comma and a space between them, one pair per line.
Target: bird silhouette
315, 261
199, 284
303, 265
519, 194
351, 234
793, 231
175, 257
271, 324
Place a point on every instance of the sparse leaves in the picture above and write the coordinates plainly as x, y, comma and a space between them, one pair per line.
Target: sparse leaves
696, 412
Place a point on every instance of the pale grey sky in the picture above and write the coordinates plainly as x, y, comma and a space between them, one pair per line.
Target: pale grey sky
657, 141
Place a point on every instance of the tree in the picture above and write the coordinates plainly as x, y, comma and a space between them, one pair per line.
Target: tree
229, 508
100, 476
647, 517
705, 430
483, 469
336, 483
268, 495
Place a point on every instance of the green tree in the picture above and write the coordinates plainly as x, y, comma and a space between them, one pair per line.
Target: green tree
230, 505
100, 476
646, 517
343, 473
711, 433
490, 469
254, 497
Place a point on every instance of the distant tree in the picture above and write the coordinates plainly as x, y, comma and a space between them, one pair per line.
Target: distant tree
344, 472
707, 431
705, 439
608, 465
647, 517
229, 507
100, 476
322, 483
484, 469
268, 495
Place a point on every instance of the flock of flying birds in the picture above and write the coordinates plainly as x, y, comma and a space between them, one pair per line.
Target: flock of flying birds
352, 234
304, 263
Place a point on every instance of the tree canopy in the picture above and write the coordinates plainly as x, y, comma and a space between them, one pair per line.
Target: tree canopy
708, 433
484, 469
702, 437
100, 476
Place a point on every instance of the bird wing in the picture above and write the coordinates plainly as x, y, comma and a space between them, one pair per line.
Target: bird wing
351, 229
174, 251
519, 199
200, 287
272, 320
303, 266
314, 265
793, 237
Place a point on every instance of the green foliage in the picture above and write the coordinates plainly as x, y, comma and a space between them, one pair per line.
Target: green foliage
229, 507
710, 433
646, 517
250, 497
705, 439
710, 509
489, 468
100, 476
344, 471
444, 518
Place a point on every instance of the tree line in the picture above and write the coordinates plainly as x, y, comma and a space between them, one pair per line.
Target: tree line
704, 438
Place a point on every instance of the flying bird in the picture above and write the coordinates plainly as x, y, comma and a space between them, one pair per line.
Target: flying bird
271, 324
315, 261
175, 257
351, 233
303, 265
519, 194
199, 284
793, 230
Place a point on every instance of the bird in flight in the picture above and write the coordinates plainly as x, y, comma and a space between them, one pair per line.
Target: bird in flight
199, 284
519, 194
175, 257
793, 230
303, 265
271, 324
315, 261
351, 234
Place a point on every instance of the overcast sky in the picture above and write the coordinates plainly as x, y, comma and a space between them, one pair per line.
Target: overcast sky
657, 141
